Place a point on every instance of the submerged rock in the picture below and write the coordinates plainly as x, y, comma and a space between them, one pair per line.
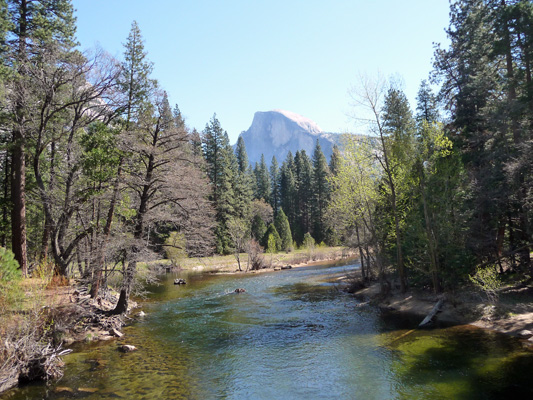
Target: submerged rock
127, 348
239, 290
179, 281
525, 333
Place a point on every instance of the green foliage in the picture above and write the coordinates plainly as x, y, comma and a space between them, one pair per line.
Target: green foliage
100, 156
230, 190
271, 244
176, 248
10, 275
9, 267
258, 228
321, 192
487, 280
309, 244
272, 231
262, 178
282, 226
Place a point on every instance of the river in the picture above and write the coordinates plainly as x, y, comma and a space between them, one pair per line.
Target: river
291, 335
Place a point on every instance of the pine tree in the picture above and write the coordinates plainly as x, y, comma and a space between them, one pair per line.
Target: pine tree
37, 27
275, 185
282, 226
135, 78
486, 76
304, 185
427, 107
258, 228
397, 139
320, 193
135, 83
242, 156
289, 191
230, 193
262, 177
272, 232
335, 160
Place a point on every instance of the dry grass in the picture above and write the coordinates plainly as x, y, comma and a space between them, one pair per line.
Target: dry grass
229, 263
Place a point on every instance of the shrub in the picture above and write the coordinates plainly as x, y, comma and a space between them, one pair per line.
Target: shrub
10, 276
488, 281
175, 248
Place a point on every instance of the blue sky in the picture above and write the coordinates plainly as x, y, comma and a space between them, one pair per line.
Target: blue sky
236, 57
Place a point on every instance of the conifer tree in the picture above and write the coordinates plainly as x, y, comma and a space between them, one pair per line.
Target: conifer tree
262, 178
288, 191
275, 197
304, 187
136, 85
426, 108
397, 139
242, 156
37, 27
222, 169
282, 226
320, 192
258, 228
272, 232
335, 160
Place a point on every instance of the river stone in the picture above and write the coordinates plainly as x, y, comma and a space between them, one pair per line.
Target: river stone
240, 290
63, 389
525, 333
141, 314
116, 332
127, 348
88, 390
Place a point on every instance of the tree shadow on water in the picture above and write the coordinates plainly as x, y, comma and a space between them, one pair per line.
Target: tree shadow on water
461, 363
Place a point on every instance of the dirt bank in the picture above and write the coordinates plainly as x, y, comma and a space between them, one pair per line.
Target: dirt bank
511, 313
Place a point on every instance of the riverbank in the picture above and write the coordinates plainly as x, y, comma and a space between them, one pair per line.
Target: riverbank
271, 262
49, 317
511, 313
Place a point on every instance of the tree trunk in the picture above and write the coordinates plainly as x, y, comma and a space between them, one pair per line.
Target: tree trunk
18, 199
433, 259
123, 300
7, 183
361, 254
97, 278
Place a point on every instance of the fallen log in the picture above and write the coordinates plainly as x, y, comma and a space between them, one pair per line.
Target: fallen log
432, 313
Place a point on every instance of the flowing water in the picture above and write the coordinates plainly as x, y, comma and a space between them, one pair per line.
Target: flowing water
291, 335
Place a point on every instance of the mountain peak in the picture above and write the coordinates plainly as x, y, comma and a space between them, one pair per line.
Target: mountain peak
303, 122
276, 132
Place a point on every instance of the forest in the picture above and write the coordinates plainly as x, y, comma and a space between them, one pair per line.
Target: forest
98, 172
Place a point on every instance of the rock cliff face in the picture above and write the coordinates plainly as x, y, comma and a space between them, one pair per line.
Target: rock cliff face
275, 133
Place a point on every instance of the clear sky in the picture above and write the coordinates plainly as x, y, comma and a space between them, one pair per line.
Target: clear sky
236, 57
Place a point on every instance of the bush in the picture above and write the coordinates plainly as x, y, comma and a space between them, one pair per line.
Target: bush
309, 244
488, 280
175, 248
10, 275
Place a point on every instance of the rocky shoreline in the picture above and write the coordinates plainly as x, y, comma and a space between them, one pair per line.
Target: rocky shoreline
514, 318
71, 317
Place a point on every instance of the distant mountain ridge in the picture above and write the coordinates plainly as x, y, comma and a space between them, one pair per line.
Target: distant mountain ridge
276, 132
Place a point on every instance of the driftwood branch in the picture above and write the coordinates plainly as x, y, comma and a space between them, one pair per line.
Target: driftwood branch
432, 313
